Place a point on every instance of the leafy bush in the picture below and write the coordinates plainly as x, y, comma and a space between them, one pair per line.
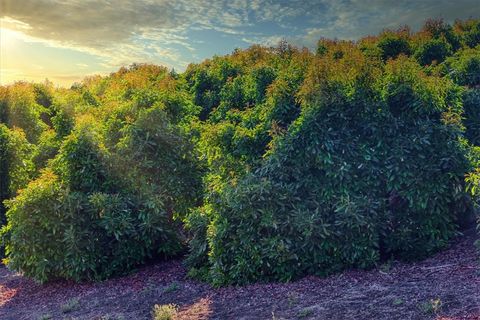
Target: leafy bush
434, 50
164, 312
392, 45
46, 148
89, 217
278, 162
439, 29
206, 83
36, 221
4, 171
16, 166
21, 110
468, 31
155, 158
471, 106
464, 67
473, 186
345, 186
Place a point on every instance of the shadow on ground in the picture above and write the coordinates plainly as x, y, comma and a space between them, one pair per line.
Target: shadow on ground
446, 286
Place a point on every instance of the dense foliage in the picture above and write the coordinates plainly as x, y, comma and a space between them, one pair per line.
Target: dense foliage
267, 163
111, 196
363, 159
346, 185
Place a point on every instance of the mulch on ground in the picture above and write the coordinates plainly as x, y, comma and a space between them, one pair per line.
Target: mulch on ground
444, 287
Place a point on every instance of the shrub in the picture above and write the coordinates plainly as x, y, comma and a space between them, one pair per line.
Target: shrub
16, 166
34, 234
43, 94
279, 162
164, 312
471, 106
464, 67
206, 83
468, 31
46, 149
155, 157
473, 186
22, 110
439, 29
434, 50
62, 120
336, 191
4, 171
89, 217
392, 45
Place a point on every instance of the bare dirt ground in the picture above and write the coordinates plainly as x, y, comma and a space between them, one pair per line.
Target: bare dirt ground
446, 286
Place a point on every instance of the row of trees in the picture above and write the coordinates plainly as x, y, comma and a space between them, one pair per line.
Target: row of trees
266, 164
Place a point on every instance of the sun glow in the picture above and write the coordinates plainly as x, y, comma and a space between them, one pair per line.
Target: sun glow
8, 38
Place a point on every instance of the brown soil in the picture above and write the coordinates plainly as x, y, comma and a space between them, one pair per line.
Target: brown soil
446, 286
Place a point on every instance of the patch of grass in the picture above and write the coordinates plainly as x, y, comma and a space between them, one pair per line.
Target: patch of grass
292, 299
47, 316
71, 305
431, 306
386, 266
305, 313
112, 317
397, 302
164, 312
171, 288
149, 288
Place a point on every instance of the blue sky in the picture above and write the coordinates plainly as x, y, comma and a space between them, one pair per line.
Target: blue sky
66, 40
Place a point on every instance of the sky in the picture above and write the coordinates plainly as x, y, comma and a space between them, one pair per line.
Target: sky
66, 40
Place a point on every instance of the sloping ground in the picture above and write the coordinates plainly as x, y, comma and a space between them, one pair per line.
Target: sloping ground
446, 286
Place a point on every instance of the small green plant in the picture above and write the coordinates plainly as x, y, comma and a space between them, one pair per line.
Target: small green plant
149, 288
431, 306
112, 317
397, 302
71, 305
164, 312
292, 299
171, 288
46, 316
305, 313
386, 267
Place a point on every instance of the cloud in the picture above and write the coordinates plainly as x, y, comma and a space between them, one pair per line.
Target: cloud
89, 23
353, 19
268, 41
124, 31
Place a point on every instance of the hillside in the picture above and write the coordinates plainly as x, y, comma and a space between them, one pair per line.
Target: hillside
446, 286
267, 165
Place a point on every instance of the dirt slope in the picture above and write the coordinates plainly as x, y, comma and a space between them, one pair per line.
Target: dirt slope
446, 286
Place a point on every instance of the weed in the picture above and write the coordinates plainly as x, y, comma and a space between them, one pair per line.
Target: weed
305, 313
164, 312
386, 267
112, 317
71, 305
171, 288
292, 299
149, 288
432, 306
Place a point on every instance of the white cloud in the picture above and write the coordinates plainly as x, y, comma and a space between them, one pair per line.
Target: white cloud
124, 31
268, 41
353, 19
